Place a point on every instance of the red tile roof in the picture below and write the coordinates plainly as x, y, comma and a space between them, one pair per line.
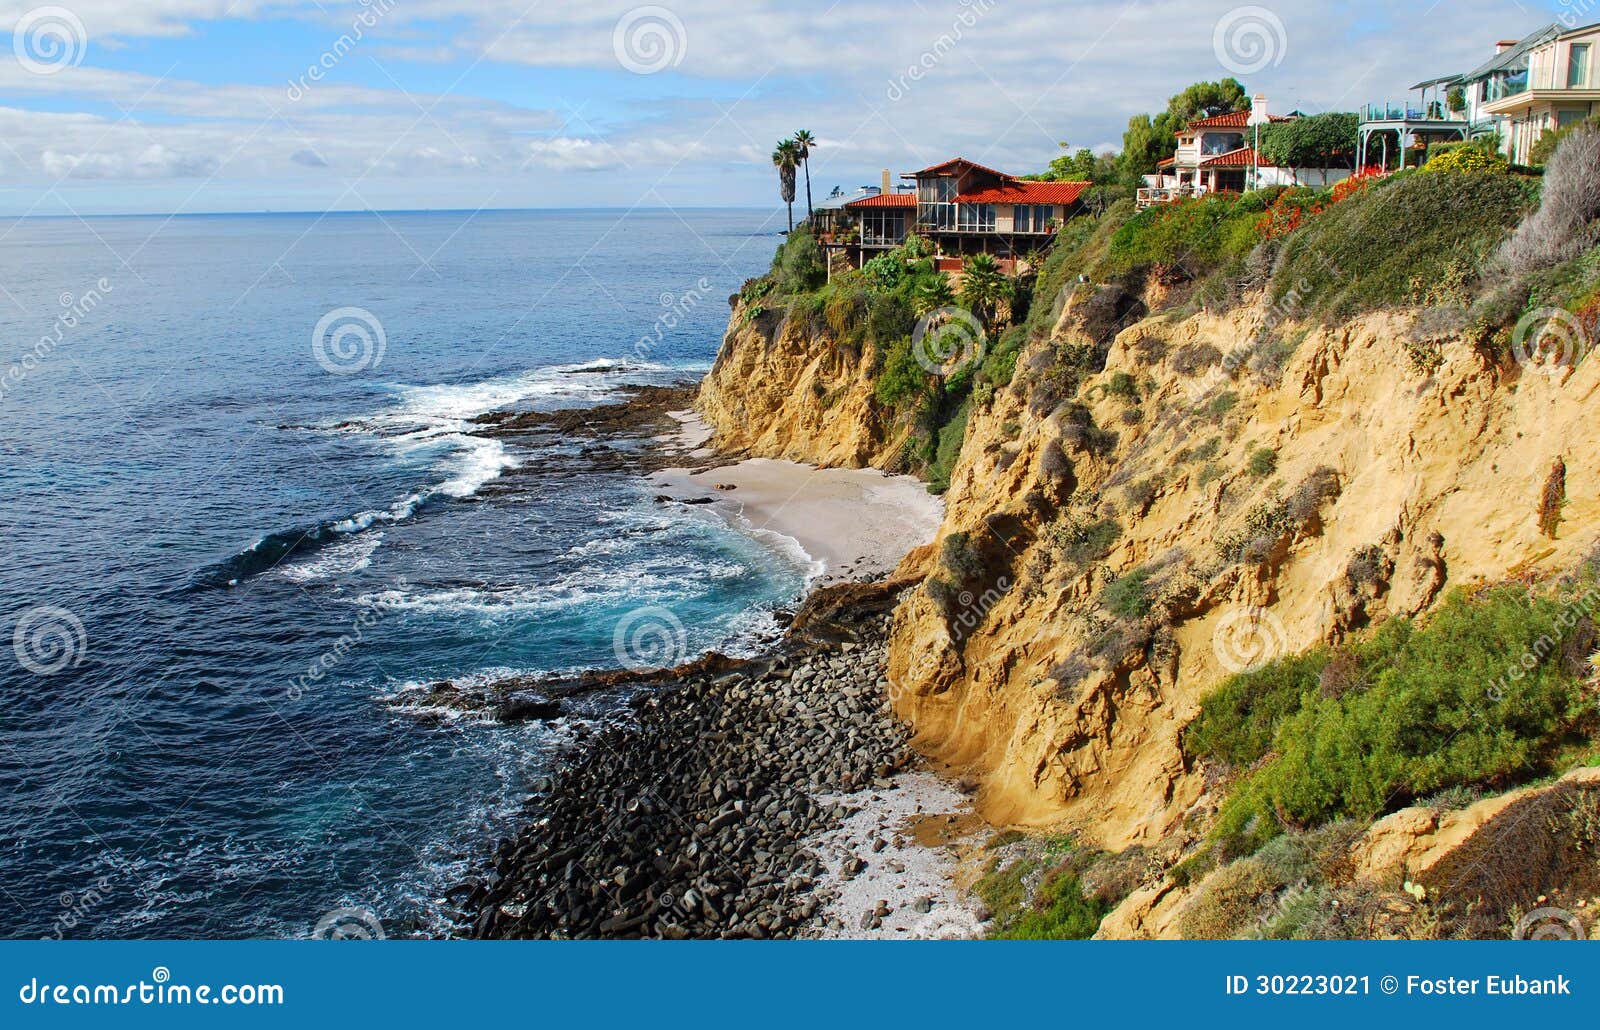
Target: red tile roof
954, 161
886, 200
1244, 157
1231, 120
1167, 162
1027, 192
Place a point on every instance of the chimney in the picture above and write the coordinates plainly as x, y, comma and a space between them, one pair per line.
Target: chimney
885, 187
1504, 45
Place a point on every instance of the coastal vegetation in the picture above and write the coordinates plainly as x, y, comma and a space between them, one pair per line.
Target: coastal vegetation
1486, 692
1049, 888
1130, 362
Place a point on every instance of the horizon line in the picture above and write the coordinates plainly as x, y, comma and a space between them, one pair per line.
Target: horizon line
376, 211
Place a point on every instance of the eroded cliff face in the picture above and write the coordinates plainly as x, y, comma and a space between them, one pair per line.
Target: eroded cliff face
1397, 467
783, 387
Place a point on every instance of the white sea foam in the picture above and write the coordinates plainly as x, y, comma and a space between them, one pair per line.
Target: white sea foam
440, 416
588, 381
339, 560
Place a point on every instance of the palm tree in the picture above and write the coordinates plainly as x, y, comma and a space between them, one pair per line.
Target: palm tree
805, 141
785, 159
930, 295
984, 288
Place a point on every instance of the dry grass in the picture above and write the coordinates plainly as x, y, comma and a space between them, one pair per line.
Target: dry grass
1569, 202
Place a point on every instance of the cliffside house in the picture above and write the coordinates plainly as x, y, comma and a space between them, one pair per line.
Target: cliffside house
829, 217
963, 208
1217, 155
882, 220
1556, 86
1545, 80
1388, 130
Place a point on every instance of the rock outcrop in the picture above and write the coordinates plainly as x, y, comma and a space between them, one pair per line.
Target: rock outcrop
1271, 487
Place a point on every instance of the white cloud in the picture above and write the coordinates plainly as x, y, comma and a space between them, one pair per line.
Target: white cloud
153, 162
883, 86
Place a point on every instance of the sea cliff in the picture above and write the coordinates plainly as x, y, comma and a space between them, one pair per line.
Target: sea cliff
1167, 489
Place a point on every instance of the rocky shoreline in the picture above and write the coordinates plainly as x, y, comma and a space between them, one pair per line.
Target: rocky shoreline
696, 815
728, 797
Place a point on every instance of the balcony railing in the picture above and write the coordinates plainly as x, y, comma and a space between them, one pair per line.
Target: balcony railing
1387, 112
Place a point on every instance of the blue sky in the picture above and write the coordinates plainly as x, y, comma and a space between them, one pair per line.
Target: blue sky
246, 105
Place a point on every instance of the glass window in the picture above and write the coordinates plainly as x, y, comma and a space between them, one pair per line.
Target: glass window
1021, 218
1221, 142
976, 217
1577, 65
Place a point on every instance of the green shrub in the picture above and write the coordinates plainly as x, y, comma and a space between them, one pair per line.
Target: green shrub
1262, 462
845, 310
1122, 385
1432, 706
798, 265
1221, 404
1129, 594
902, 381
1192, 237
1230, 902
961, 557
1466, 159
890, 318
1000, 363
1393, 243
1238, 721
1206, 451
948, 450
1060, 912
1081, 540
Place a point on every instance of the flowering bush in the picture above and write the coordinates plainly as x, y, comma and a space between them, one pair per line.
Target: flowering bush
1289, 212
1356, 183
1468, 159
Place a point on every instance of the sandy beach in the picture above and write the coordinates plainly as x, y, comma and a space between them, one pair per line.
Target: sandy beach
855, 523
890, 867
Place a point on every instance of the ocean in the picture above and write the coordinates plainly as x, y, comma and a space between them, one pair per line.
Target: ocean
245, 511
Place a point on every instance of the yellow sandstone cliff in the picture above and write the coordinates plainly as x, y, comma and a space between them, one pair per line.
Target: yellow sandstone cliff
1401, 464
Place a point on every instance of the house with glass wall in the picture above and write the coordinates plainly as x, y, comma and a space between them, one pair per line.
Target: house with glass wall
1557, 87
962, 208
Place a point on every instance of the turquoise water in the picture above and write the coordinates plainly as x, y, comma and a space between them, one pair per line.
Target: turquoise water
204, 507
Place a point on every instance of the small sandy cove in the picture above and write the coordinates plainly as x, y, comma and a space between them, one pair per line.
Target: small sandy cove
853, 523
891, 868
